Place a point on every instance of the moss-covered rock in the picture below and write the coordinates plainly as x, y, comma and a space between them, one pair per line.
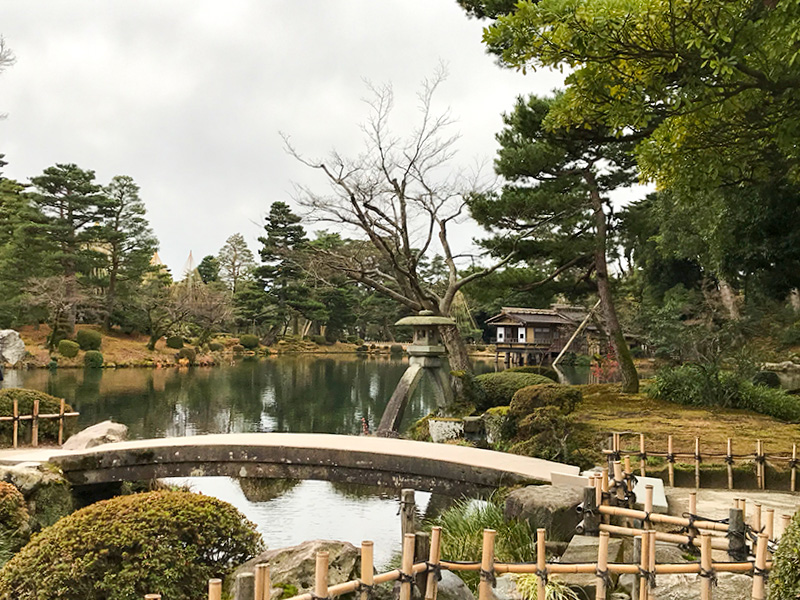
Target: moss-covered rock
499, 388
566, 398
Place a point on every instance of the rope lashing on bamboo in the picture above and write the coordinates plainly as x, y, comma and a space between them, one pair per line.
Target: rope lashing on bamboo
542, 574
642, 455
709, 574
761, 572
670, 457
402, 504
407, 578
368, 588
650, 576
605, 576
315, 597
729, 459
698, 458
794, 463
436, 569
489, 576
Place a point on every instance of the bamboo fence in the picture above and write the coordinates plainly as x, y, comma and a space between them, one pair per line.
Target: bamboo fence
34, 418
759, 457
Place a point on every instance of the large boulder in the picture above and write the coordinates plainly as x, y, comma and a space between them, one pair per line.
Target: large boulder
553, 508
106, 432
12, 348
583, 549
293, 567
731, 586
451, 587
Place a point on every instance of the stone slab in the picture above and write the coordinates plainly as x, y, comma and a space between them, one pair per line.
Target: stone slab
569, 480
660, 504
583, 549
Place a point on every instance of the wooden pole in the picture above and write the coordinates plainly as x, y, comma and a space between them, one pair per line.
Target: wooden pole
652, 558
215, 589
321, 575
541, 565
757, 517
637, 557
697, 462
705, 565
648, 505
785, 521
671, 462
263, 583
598, 490
590, 523
422, 550
15, 426
487, 565
35, 423
407, 564
642, 456
692, 503
61, 422
759, 482
619, 481
794, 467
628, 473
407, 513
644, 564
604, 480
431, 589
737, 545
367, 568
602, 565
729, 460
760, 567
152, 597
769, 523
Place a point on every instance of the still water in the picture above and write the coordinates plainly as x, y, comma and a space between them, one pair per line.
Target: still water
290, 393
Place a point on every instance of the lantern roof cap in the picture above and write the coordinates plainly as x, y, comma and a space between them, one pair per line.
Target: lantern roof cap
425, 317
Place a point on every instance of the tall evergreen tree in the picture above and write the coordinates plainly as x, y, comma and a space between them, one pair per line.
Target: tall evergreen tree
235, 261
209, 269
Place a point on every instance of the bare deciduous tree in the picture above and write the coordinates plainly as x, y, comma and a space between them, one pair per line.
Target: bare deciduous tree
402, 196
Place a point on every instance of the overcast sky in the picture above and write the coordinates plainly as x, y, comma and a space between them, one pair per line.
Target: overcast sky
188, 96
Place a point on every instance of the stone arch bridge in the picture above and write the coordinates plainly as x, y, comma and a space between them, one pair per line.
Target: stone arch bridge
442, 468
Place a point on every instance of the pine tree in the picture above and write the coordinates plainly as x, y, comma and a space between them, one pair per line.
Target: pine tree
235, 261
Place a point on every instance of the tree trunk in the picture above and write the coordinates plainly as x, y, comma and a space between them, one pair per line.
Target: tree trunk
630, 378
794, 299
458, 357
728, 296
111, 294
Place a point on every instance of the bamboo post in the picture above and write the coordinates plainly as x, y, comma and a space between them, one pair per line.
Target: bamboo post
619, 482
215, 589
737, 545
648, 505
321, 573
263, 583
487, 565
769, 523
367, 568
541, 566
628, 472
602, 566
431, 589
760, 567
743, 506
785, 520
729, 461
637, 557
697, 463
642, 456
407, 510
652, 559
61, 422
706, 573
152, 597
15, 426
794, 466
671, 462
756, 517
35, 423
644, 564
245, 586
759, 482
604, 480
692, 503
407, 564
598, 490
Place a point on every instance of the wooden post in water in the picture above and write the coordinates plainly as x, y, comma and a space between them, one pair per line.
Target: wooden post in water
407, 512
487, 566
61, 422
642, 456
759, 577
432, 588
697, 463
215, 589
321, 575
263, 583
729, 461
705, 566
35, 423
541, 565
406, 566
602, 566
15, 422
367, 568
671, 462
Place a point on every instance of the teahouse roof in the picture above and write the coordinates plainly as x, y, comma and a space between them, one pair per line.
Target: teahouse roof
559, 314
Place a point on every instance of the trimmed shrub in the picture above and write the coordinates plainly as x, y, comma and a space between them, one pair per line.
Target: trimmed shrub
48, 428
319, 340
784, 578
768, 379
13, 511
499, 388
480, 348
249, 341
175, 342
216, 347
564, 397
237, 349
187, 353
362, 348
396, 349
129, 546
89, 339
548, 372
68, 348
93, 359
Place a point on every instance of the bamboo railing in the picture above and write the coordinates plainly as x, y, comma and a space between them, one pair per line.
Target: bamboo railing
758, 456
34, 418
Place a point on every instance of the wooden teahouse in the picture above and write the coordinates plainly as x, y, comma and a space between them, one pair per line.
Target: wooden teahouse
528, 336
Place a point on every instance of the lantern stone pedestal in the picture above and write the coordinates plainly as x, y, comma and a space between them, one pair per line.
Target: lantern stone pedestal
427, 354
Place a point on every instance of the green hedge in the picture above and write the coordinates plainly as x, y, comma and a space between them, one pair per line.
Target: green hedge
548, 372
216, 347
89, 339
68, 348
784, 579
566, 398
48, 428
249, 341
175, 342
166, 542
500, 388
93, 359
187, 353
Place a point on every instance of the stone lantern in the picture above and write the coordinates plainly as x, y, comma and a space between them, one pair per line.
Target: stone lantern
426, 354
